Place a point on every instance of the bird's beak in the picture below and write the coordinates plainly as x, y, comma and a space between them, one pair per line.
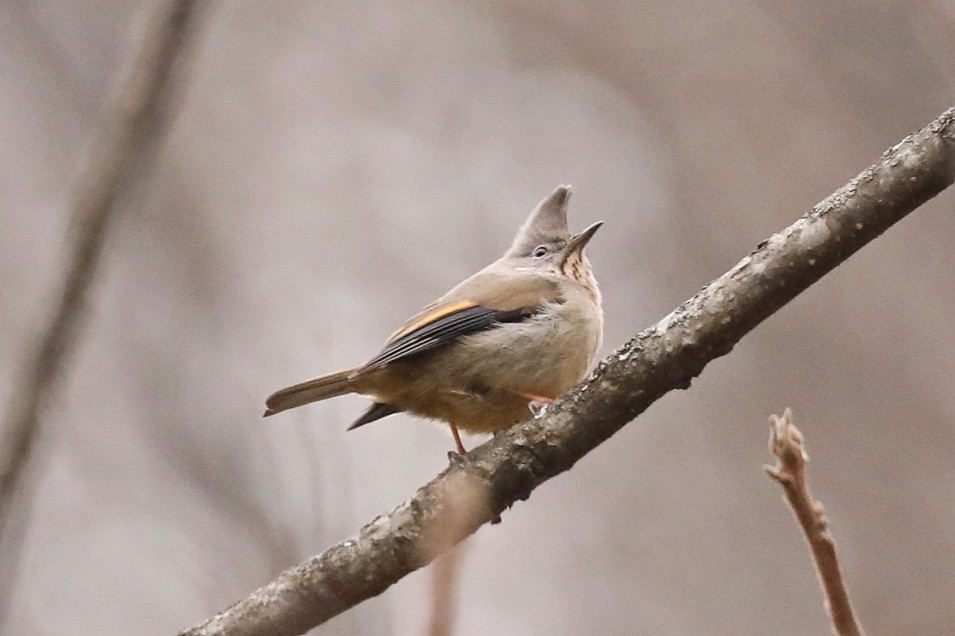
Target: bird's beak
580, 241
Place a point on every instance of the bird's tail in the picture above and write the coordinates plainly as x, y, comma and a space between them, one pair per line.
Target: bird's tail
311, 391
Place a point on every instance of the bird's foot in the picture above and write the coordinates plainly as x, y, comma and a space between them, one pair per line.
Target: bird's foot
537, 404
537, 409
456, 459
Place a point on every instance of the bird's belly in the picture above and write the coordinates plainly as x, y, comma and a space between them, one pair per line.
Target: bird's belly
543, 356
424, 388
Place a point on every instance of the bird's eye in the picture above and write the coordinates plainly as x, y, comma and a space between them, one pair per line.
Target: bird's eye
540, 250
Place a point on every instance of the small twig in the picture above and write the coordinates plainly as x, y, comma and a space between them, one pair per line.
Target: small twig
141, 117
786, 442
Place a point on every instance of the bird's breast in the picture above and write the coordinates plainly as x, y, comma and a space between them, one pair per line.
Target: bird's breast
544, 355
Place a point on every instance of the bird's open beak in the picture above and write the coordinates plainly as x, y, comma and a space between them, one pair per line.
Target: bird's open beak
580, 241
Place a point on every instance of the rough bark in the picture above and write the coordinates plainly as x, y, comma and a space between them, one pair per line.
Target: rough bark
666, 356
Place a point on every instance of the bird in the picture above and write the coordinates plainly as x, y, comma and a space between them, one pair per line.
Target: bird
507, 340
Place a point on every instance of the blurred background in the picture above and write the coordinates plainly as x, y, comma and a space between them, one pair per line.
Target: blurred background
337, 165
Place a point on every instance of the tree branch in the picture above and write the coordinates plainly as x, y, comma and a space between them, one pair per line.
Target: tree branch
666, 356
139, 123
786, 442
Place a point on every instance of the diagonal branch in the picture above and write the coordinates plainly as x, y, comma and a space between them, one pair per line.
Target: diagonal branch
139, 122
666, 356
786, 442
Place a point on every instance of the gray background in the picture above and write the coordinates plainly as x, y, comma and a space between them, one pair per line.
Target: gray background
337, 165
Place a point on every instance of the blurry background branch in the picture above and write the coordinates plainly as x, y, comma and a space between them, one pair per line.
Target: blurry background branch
665, 357
786, 442
444, 575
134, 133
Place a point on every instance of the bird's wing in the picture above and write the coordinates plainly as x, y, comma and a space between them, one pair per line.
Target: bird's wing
443, 325
483, 301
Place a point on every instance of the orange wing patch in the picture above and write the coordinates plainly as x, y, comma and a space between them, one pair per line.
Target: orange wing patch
430, 317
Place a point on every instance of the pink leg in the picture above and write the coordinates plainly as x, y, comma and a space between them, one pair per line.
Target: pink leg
536, 398
457, 438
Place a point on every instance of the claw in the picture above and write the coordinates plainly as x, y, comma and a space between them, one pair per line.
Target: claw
537, 404
537, 408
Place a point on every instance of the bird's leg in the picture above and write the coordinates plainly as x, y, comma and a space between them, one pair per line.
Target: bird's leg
452, 456
536, 403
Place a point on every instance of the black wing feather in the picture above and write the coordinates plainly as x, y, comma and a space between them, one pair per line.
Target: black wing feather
375, 412
443, 330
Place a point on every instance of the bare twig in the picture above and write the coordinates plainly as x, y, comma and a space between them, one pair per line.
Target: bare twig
786, 442
665, 357
139, 123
